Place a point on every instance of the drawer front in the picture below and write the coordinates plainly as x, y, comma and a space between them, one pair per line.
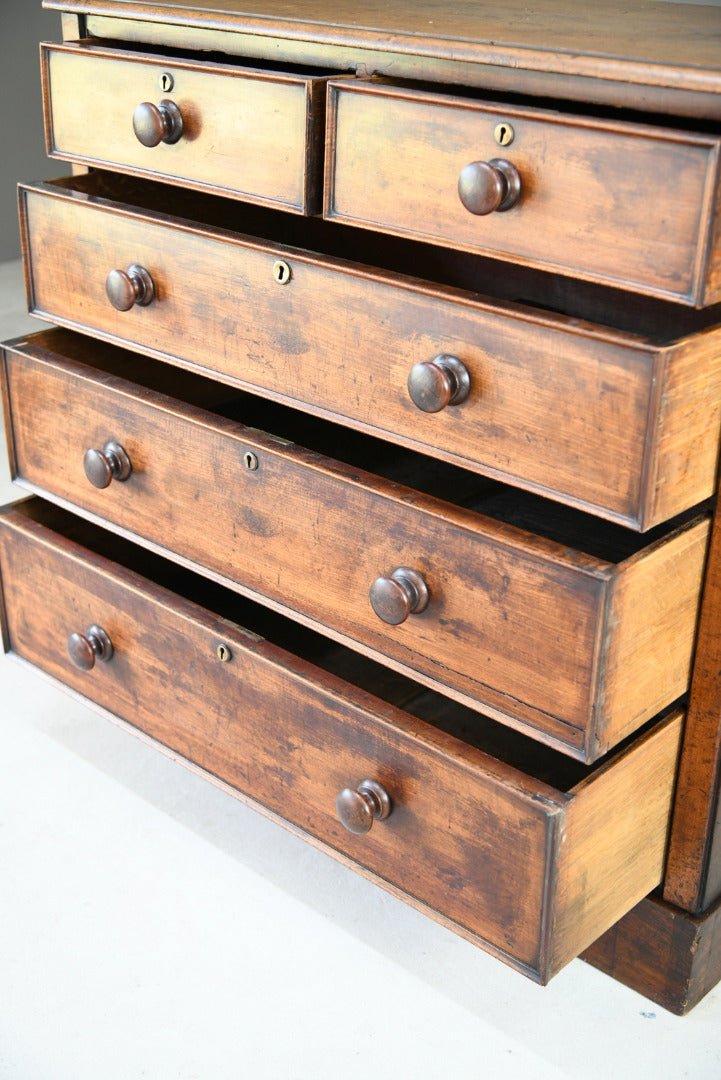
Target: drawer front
587, 417
254, 135
317, 538
623, 204
283, 733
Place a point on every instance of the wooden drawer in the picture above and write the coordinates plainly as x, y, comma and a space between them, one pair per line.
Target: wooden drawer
621, 203
623, 424
244, 132
543, 617
278, 729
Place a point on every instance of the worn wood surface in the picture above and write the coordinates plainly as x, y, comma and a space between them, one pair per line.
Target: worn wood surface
693, 878
291, 737
609, 427
252, 134
662, 952
641, 44
683, 461
651, 622
310, 534
624, 204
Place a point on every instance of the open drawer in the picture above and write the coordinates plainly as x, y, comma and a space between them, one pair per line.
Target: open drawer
514, 846
539, 615
248, 132
612, 407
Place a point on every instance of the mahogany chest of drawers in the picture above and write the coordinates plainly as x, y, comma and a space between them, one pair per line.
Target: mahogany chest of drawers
374, 458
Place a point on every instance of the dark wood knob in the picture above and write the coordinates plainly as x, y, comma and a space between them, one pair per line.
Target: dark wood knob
357, 808
154, 124
485, 186
128, 287
85, 649
401, 594
110, 463
433, 384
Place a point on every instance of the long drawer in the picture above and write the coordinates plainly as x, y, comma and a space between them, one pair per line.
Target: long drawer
246, 132
484, 597
622, 424
623, 203
447, 825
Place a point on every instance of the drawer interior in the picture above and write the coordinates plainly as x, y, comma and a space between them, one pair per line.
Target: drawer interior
656, 321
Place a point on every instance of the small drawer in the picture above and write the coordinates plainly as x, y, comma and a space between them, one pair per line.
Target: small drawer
621, 203
623, 423
525, 853
248, 133
545, 618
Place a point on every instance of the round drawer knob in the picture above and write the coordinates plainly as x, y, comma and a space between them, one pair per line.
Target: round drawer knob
485, 186
357, 808
128, 287
433, 384
154, 124
85, 649
110, 463
396, 597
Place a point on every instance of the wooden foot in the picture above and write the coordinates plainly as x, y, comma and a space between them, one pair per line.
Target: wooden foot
664, 953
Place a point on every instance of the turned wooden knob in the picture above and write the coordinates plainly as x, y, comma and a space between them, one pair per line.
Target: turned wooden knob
128, 287
401, 594
85, 649
110, 463
357, 808
154, 124
433, 384
485, 186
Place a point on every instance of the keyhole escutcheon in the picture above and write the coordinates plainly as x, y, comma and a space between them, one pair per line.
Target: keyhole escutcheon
504, 134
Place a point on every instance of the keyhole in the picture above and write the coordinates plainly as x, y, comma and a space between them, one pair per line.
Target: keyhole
281, 272
166, 81
504, 134
223, 653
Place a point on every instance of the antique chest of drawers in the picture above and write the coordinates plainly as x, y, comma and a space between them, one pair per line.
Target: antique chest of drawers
374, 457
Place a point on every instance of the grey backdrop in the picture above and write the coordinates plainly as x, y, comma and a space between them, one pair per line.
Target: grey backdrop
23, 23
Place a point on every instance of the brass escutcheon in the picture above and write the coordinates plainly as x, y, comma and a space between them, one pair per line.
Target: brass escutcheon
504, 134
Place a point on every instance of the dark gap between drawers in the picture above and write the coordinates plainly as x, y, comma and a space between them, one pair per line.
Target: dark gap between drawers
154, 50
660, 322
471, 727
449, 483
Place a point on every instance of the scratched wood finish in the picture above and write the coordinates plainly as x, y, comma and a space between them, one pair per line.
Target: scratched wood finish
254, 135
624, 204
609, 421
291, 736
639, 55
309, 534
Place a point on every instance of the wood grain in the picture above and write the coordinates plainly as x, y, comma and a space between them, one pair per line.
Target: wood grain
589, 416
623, 204
663, 953
251, 134
683, 461
671, 45
693, 879
602, 866
651, 623
291, 737
309, 535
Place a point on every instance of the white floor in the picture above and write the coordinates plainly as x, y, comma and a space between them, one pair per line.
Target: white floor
152, 927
